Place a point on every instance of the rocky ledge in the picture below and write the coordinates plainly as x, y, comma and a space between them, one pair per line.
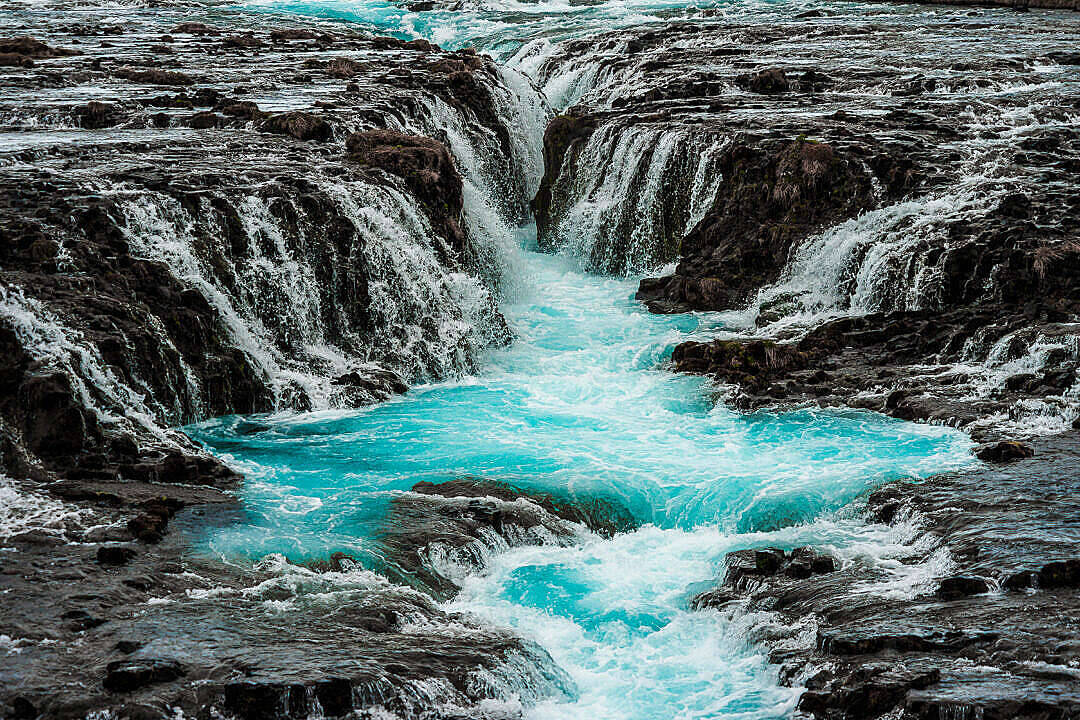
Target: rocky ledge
987, 629
865, 245
218, 227
870, 244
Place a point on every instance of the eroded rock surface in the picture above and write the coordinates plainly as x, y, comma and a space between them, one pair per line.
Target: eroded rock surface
987, 628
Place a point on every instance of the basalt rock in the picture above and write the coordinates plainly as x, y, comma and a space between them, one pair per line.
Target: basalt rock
564, 136
956, 646
32, 48
300, 125
1004, 451
155, 76
457, 524
426, 167
771, 196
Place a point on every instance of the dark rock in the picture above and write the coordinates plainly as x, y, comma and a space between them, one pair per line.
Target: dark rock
23, 709
15, 60
1004, 451
114, 555
130, 675
155, 76
335, 696
82, 620
247, 40
715, 598
194, 28
204, 120
128, 646
770, 81
769, 199
1065, 573
32, 48
769, 561
95, 115
962, 586
564, 136
300, 125
265, 701
245, 110
293, 34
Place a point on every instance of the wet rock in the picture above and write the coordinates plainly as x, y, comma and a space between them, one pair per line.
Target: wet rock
155, 76
245, 110
23, 709
204, 120
715, 598
1065, 573
129, 675
300, 125
770, 197
265, 701
32, 48
15, 60
247, 40
82, 620
564, 136
1004, 451
335, 695
114, 555
194, 28
455, 520
770, 81
1065, 58
96, 115
426, 167
286, 34
962, 586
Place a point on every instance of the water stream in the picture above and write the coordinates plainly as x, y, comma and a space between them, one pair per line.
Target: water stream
580, 404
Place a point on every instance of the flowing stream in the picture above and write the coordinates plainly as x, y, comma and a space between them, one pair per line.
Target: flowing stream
581, 404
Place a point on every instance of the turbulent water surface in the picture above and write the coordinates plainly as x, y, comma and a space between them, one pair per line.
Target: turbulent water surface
580, 404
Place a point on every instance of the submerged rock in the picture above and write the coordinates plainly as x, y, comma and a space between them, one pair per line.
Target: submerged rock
440, 532
1004, 451
301, 125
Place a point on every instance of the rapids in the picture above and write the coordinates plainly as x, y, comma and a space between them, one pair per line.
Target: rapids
581, 405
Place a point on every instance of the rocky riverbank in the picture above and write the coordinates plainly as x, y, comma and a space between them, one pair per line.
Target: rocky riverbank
197, 220
891, 236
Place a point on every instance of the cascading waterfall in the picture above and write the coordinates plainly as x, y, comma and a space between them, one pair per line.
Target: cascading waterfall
418, 318
626, 200
60, 348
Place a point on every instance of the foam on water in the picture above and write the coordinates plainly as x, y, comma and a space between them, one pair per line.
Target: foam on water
582, 405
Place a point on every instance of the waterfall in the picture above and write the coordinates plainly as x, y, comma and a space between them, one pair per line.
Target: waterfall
118, 403
624, 203
309, 299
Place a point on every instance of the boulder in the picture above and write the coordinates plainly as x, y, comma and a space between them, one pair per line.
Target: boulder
130, 675
1004, 451
300, 125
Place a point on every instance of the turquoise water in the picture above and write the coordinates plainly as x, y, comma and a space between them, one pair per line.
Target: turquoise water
581, 404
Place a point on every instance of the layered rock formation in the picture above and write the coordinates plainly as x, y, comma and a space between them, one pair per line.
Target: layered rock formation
237, 222
884, 245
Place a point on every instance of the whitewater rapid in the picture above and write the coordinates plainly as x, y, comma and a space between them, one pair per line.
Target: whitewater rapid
581, 403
